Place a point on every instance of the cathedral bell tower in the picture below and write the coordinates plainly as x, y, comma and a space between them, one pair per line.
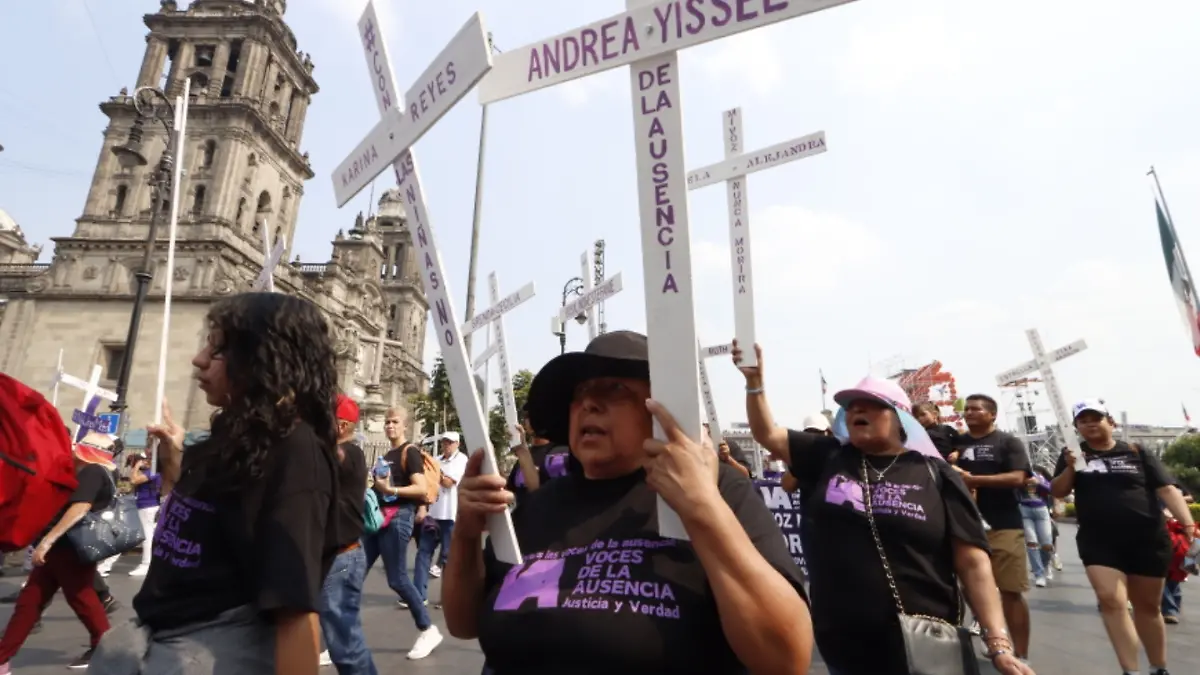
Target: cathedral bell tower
242, 164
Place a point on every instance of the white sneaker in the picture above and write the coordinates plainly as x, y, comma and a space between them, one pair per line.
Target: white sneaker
1049, 574
139, 571
1057, 563
1040, 582
325, 660
435, 571
426, 642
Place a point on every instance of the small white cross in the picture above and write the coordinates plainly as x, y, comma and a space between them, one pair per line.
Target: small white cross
481, 361
266, 278
496, 315
380, 342
585, 264
585, 303
91, 390
733, 170
1042, 362
710, 406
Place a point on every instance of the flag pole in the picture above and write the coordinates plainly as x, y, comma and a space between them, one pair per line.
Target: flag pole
160, 388
1162, 198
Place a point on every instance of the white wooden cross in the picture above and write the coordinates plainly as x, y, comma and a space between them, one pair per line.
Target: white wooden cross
588, 301
585, 263
1042, 361
380, 342
453, 73
485, 356
647, 37
733, 171
710, 406
92, 393
494, 316
266, 278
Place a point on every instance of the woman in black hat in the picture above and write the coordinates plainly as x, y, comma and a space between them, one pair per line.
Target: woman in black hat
600, 590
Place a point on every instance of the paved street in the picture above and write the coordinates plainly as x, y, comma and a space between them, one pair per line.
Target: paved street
1068, 637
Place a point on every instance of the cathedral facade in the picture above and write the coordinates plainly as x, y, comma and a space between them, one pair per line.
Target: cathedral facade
243, 170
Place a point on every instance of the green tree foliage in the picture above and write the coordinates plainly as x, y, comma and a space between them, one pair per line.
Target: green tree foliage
435, 410
1183, 460
497, 430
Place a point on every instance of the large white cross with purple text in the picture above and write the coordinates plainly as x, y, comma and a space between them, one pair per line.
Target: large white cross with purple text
1041, 362
494, 316
733, 171
452, 74
647, 37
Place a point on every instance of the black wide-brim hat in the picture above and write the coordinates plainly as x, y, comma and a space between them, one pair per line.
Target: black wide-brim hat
618, 354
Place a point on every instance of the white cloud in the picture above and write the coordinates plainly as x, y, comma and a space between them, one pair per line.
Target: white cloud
798, 250
748, 58
350, 11
589, 90
891, 57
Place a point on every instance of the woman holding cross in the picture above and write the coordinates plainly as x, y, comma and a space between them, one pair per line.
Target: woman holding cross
600, 590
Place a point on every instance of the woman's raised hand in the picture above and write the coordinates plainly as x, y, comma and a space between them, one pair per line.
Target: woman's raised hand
681, 470
753, 374
169, 434
479, 496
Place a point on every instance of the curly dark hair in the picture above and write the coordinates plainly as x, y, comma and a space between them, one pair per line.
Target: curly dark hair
280, 365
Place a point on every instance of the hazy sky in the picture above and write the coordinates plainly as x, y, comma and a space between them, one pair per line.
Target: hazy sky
985, 175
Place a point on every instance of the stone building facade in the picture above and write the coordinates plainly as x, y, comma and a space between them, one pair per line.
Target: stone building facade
243, 170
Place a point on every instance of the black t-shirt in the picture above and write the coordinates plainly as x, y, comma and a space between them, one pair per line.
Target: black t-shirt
920, 506
738, 454
404, 462
1116, 493
551, 461
352, 488
269, 546
945, 438
94, 486
602, 592
991, 455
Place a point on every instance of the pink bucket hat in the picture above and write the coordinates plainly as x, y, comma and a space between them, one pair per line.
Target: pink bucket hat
892, 395
885, 391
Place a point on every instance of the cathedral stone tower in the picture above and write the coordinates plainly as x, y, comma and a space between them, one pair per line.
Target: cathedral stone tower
244, 170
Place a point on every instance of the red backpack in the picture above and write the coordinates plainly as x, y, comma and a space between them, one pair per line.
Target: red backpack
37, 468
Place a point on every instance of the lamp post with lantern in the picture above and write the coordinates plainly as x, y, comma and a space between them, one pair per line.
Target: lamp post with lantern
574, 286
154, 105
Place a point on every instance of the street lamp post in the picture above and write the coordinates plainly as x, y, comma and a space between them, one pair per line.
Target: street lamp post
130, 155
574, 286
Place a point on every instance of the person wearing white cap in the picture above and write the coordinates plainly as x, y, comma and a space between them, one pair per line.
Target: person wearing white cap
439, 524
1122, 539
813, 424
893, 533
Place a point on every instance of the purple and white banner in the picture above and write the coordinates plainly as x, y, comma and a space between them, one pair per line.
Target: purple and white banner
786, 509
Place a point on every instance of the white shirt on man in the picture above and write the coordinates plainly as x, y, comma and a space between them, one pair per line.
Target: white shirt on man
446, 506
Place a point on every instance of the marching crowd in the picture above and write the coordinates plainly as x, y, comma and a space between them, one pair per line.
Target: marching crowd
258, 537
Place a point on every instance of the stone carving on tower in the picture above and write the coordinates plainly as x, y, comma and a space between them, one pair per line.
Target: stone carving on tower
243, 168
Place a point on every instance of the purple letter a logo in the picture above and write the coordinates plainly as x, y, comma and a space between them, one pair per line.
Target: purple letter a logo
538, 580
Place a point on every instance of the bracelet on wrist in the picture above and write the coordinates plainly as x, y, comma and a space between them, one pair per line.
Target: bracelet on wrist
993, 655
754, 390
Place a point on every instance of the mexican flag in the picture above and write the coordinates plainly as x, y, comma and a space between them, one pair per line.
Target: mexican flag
1177, 271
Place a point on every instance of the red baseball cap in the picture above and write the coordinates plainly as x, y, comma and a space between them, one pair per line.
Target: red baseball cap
347, 409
